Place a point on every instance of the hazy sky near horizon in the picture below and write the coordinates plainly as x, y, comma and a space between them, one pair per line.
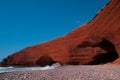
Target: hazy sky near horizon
28, 22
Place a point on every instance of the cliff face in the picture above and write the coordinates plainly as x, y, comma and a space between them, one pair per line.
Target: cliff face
95, 42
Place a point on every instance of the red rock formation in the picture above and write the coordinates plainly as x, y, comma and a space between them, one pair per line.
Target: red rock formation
95, 42
0, 64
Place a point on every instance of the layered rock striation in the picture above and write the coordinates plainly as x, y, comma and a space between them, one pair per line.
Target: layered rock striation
95, 42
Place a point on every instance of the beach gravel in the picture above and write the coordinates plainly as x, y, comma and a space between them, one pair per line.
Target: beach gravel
81, 72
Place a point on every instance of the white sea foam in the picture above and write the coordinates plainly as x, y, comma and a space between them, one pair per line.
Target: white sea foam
11, 69
6, 67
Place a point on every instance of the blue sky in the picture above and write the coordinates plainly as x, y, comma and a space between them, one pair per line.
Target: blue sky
28, 22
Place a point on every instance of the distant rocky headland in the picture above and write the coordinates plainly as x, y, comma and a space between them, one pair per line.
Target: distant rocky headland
96, 42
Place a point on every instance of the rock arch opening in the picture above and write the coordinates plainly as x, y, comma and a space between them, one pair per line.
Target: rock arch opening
45, 60
110, 55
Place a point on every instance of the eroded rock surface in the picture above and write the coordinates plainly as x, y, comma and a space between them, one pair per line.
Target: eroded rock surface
95, 42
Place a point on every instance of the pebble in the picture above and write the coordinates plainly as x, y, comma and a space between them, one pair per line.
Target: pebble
96, 72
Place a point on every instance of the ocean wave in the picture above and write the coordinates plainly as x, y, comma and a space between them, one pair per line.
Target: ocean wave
11, 68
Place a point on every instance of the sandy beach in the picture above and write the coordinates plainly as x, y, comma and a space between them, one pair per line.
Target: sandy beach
81, 72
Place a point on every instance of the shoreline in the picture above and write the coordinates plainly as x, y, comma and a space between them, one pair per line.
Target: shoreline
80, 72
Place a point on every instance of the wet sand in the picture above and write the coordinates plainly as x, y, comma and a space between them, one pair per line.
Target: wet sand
81, 72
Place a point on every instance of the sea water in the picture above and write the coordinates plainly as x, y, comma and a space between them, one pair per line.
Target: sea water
12, 69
